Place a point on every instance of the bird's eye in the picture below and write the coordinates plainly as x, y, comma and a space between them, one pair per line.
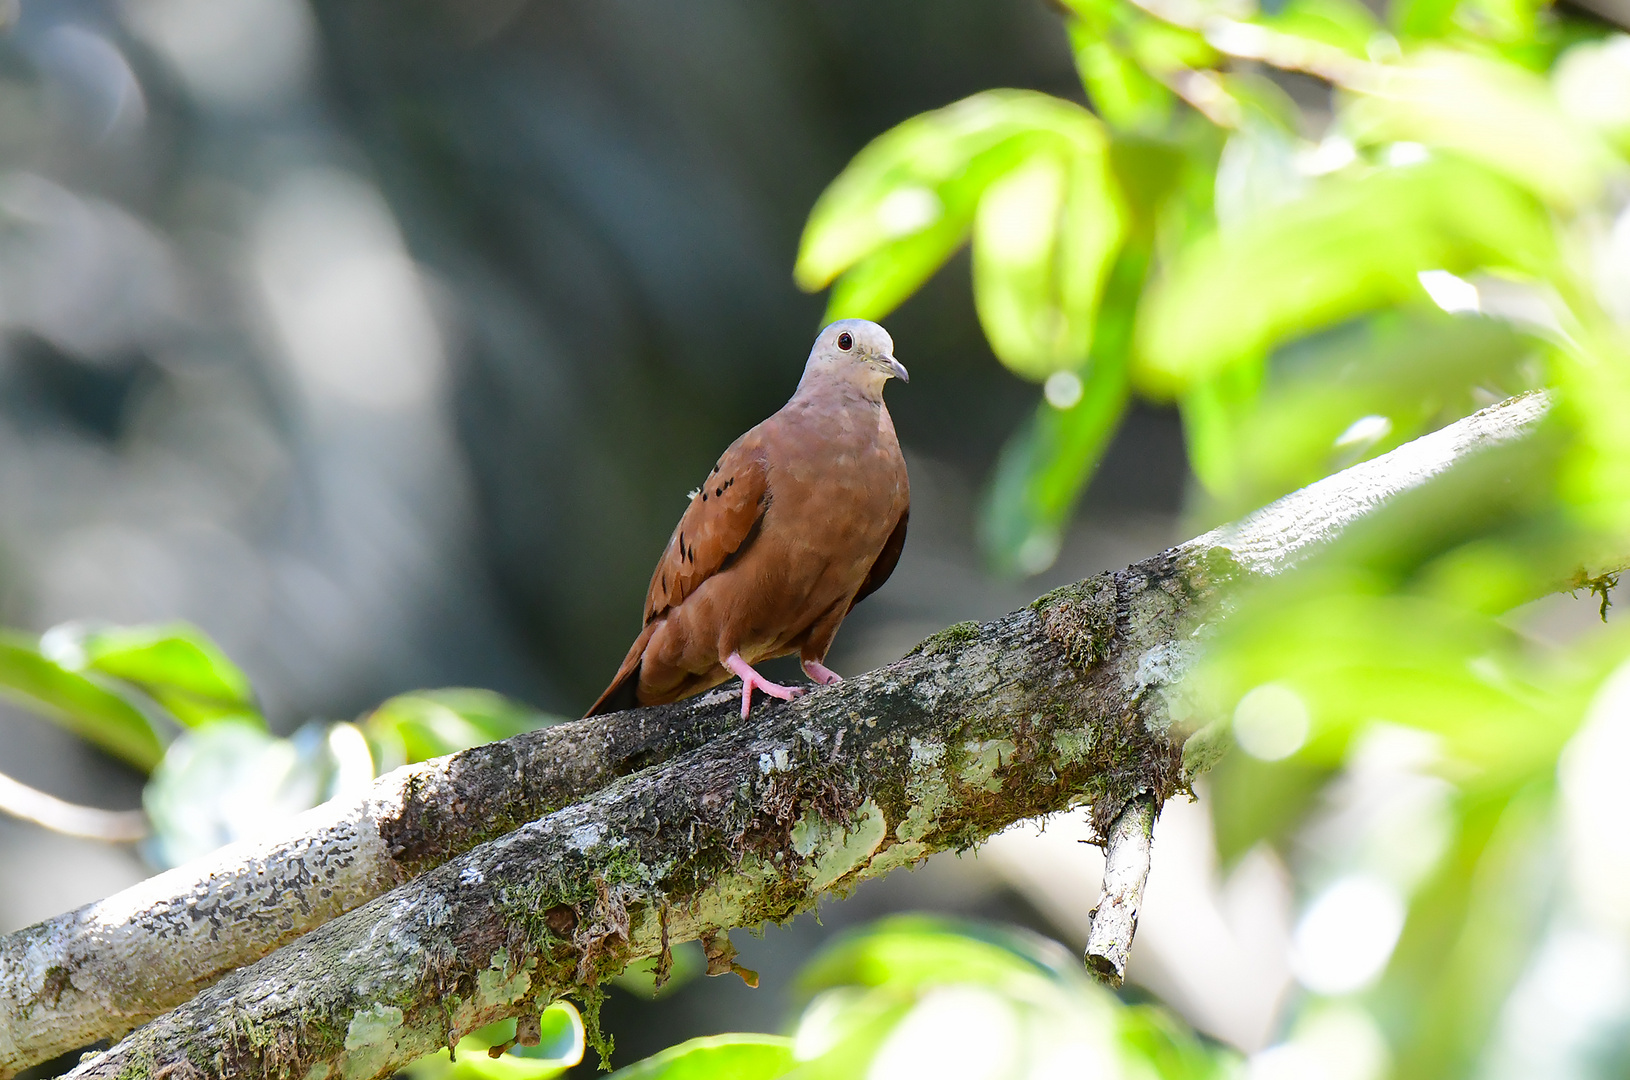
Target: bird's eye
846, 341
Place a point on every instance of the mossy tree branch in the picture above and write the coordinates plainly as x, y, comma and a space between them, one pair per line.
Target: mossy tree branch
983, 725
1059, 705
111, 966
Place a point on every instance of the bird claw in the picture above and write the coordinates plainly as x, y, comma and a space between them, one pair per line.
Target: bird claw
821, 673
751, 680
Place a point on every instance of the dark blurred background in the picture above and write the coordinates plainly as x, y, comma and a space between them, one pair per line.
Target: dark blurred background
383, 340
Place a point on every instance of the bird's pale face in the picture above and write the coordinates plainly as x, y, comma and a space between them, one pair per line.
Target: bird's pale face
859, 351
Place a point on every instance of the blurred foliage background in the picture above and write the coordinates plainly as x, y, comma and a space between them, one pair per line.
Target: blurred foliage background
356, 348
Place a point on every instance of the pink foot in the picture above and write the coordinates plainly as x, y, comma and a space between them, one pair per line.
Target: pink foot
751, 680
821, 673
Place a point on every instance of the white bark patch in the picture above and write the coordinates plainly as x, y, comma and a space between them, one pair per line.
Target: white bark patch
849, 848
1072, 747
984, 758
372, 1026
494, 985
926, 753
585, 837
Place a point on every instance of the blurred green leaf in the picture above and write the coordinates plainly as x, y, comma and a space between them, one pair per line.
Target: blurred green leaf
933, 995
560, 1046
1592, 82
1354, 243
1354, 393
1347, 24
561, 1037
640, 979
1126, 96
928, 169
175, 663
1256, 802
914, 951
716, 1057
230, 780
1354, 655
884, 279
1467, 935
1044, 236
1498, 115
1154, 1038
1215, 415
1164, 50
83, 706
429, 723
909, 199
1047, 464
1042, 471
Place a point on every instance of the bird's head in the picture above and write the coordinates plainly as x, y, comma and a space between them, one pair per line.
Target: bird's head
856, 351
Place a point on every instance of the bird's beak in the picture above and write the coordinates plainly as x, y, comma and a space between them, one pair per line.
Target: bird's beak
898, 370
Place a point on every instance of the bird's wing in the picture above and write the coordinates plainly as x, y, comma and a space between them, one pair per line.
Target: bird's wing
886, 560
722, 520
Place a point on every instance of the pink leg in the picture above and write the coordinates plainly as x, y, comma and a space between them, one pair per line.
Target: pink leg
821, 673
751, 679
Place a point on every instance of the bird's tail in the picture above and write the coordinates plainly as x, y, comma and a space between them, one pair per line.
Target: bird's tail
623, 693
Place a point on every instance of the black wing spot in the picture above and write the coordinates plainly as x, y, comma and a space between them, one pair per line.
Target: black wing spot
718, 491
704, 496
664, 584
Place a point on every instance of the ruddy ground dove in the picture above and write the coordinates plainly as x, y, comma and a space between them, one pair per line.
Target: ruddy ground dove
802, 518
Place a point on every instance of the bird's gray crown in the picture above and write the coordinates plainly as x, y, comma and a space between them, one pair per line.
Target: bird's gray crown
857, 351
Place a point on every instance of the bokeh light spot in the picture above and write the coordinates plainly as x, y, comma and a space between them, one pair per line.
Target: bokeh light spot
1271, 722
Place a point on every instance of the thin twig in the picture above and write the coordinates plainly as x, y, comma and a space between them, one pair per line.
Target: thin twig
70, 819
1126, 871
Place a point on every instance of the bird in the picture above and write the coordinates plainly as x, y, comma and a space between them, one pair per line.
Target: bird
802, 518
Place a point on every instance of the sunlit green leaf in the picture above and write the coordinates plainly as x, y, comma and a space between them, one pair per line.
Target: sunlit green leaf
429, 723
884, 279
78, 703
915, 951
908, 200
561, 1037
1496, 114
1164, 49
716, 1057
175, 663
928, 169
1045, 236
1354, 243
1594, 376
1354, 656
560, 1047
1347, 24
1126, 96
938, 996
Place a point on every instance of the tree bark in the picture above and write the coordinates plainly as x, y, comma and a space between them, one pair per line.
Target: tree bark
111, 966
730, 824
